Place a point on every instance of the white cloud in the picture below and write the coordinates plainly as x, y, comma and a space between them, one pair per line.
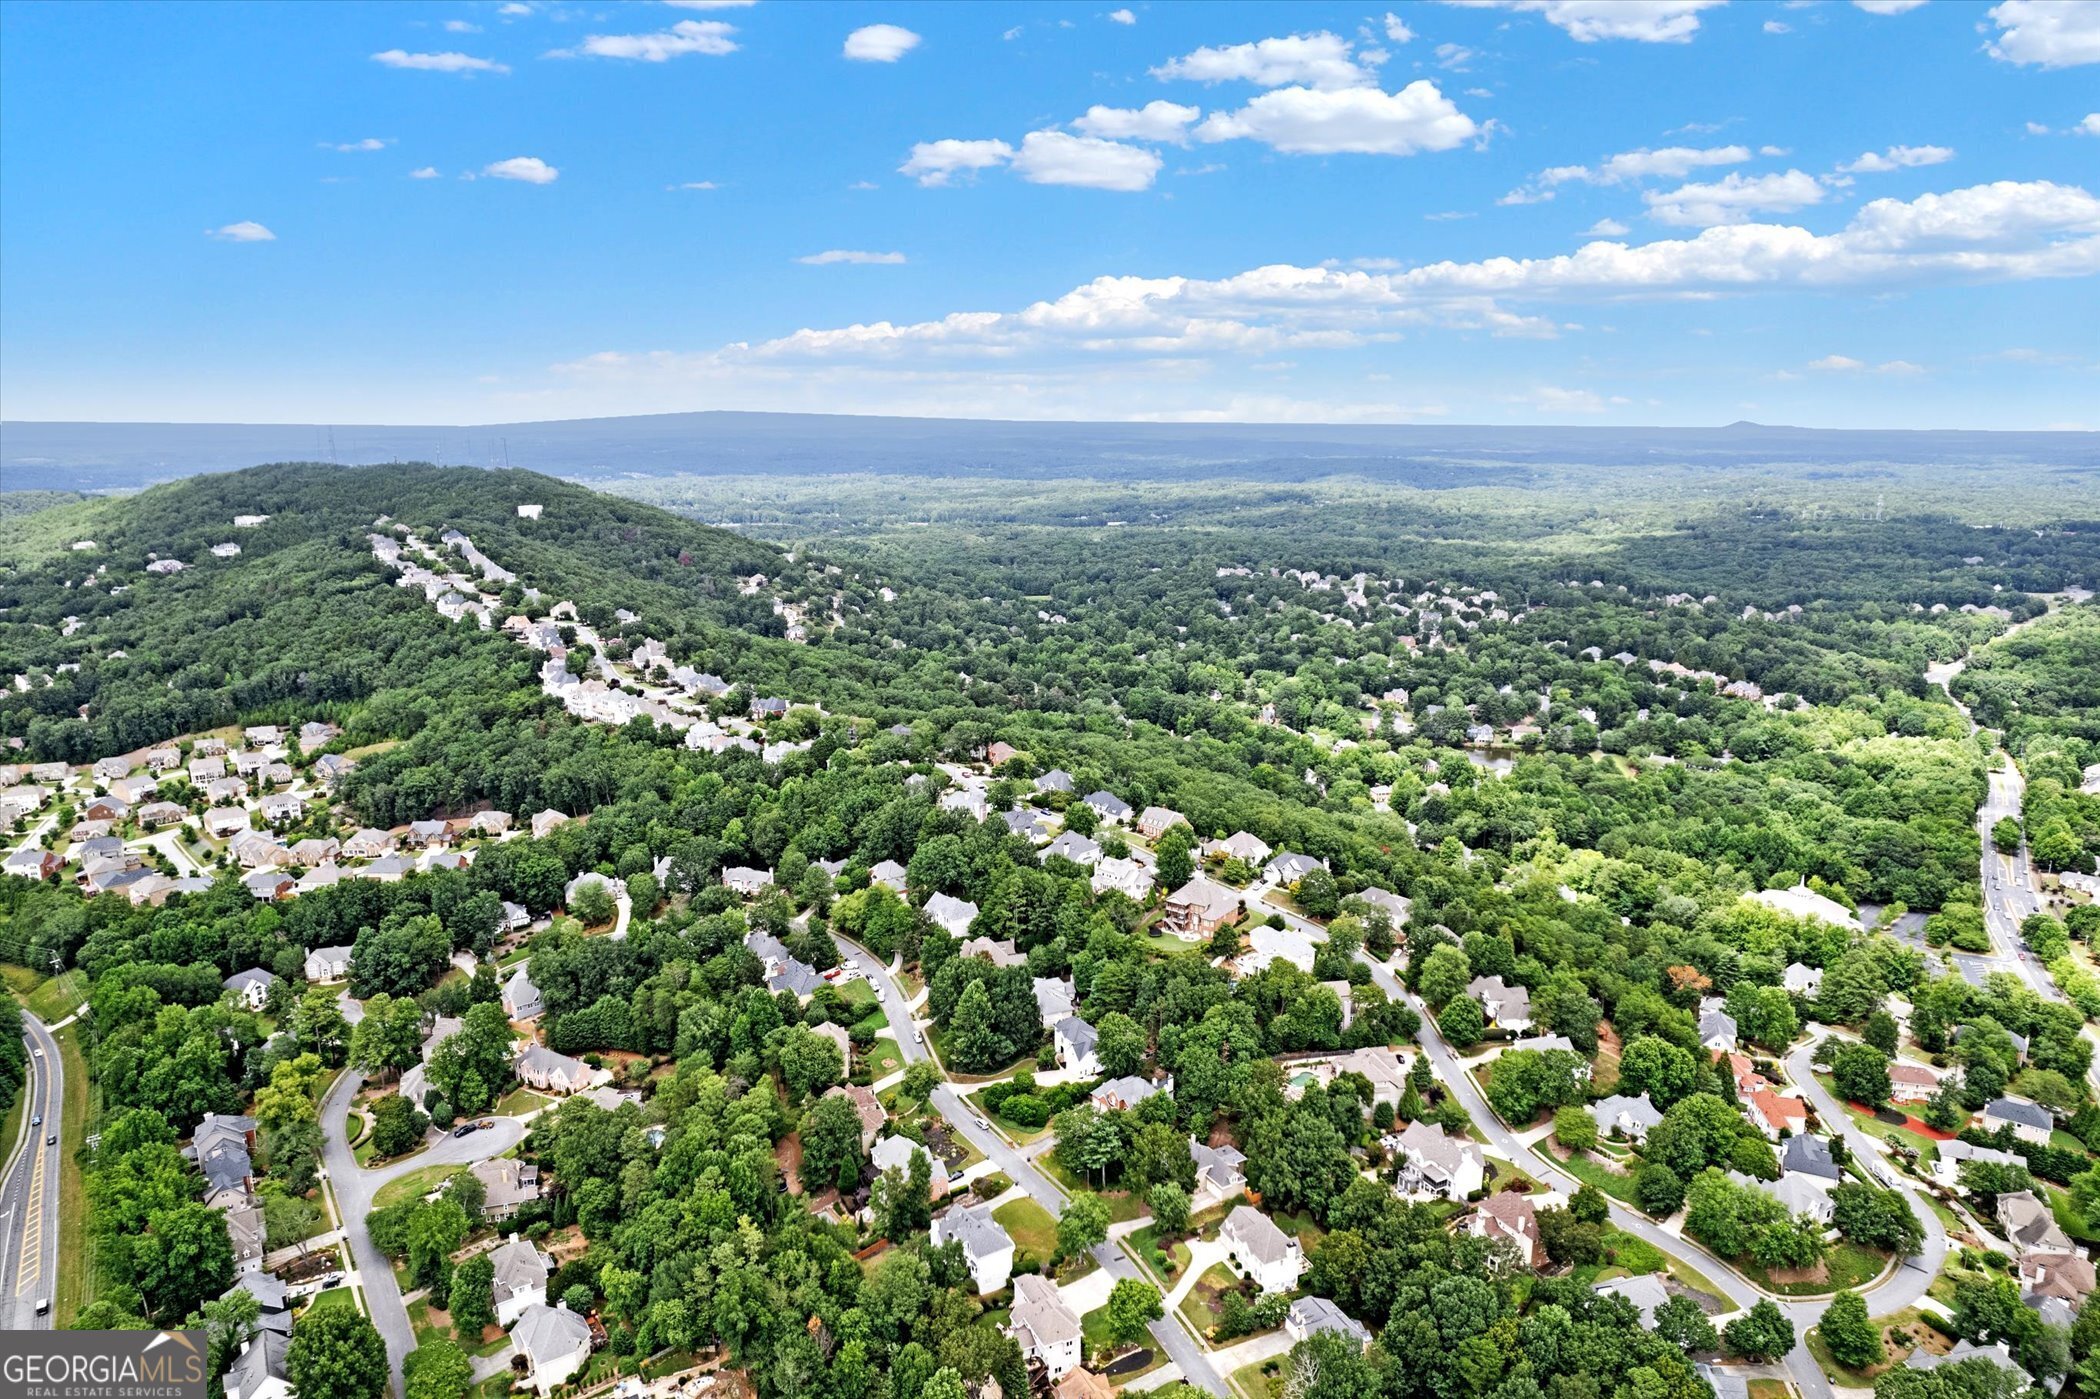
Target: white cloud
1773, 26
695, 184
1607, 228
710, 4
1363, 120
529, 169
425, 172
1548, 399
1668, 163
880, 43
1845, 364
369, 143
1455, 57
1396, 29
1121, 17
688, 36
1012, 34
939, 162
2051, 33
1736, 199
1586, 21
1058, 158
438, 62
246, 231
1319, 60
1898, 158
2090, 126
1888, 7
1155, 121
1842, 363
513, 9
460, 26
861, 259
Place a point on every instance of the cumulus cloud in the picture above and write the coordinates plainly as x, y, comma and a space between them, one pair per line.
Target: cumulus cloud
880, 43
1059, 158
369, 143
835, 255
1668, 163
246, 231
1361, 120
1587, 21
694, 184
425, 172
1897, 158
688, 36
438, 62
939, 162
1155, 121
1396, 30
1845, 364
528, 169
1888, 7
1607, 228
2090, 126
2048, 33
1735, 199
1121, 17
1773, 26
1321, 60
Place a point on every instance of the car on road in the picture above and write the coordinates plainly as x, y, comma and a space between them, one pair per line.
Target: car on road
464, 1129
37, 1121
43, 1305
51, 1140
484, 1124
39, 1051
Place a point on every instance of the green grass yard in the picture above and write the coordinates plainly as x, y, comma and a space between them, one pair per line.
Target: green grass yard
1033, 1229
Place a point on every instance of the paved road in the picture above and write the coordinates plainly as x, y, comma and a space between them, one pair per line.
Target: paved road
354, 1188
29, 1189
1180, 1347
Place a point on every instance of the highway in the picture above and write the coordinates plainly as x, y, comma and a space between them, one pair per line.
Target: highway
29, 1189
1179, 1345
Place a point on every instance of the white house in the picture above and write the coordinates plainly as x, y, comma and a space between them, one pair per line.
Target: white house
521, 1278
896, 1153
985, 1245
952, 915
1631, 1118
1436, 1166
1263, 1253
1075, 1041
521, 999
555, 1343
2030, 1122
1043, 1326
1507, 1007
1126, 877
1946, 1171
1803, 980
328, 964
252, 986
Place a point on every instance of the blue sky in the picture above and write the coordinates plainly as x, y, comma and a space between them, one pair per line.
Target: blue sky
1870, 213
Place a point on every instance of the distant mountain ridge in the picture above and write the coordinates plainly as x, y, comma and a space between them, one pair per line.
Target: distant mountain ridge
123, 456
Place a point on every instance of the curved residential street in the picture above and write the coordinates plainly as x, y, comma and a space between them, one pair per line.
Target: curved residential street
1181, 1348
29, 1189
354, 1186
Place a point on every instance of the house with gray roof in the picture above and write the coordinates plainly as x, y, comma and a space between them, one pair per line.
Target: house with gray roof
986, 1246
1802, 1154
1645, 1291
252, 986
506, 1183
889, 874
1043, 1326
521, 1276
896, 1153
1108, 806
1075, 1041
1055, 780
1435, 1165
1053, 999
1221, 1171
555, 1343
1262, 1253
1311, 1316
2030, 1122
1507, 1007
952, 915
1070, 845
259, 1371
521, 999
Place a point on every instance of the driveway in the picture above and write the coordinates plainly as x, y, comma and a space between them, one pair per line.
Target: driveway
354, 1187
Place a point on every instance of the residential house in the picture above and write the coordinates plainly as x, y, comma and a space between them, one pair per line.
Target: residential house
426, 835
1261, 1252
1911, 1082
1630, 1118
1043, 1326
368, 844
1435, 1166
1053, 999
555, 1343
1081, 1384
507, 1183
2064, 1278
889, 874
1000, 753
203, 770
328, 964
490, 823
521, 1269
225, 822
1801, 980
1199, 908
541, 1068
1000, 953
260, 1371
544, 822
1645, 1291
1799, 1194
1121, 1094
1775, 1114
746, 881
1747, 1079
1267, 946
2029, 1224
987, 1248
273, 1310
1112, 808
1153, 821
897, 1152
134, 789
1310, 1316
30, 862
1126, 877
1249, 849
106, 808
1385, 1069
1221, 1172
521, 999
952, 915
1288, 867
390, 869
332, 768
1999, 1355
163, 759
1946, 1171
516, 917
283, 808
1808, 1155
252, 986
866, 1106
1804, 902
1508, 1215
1506, 1007
2030, 1121
1055, 780
1395, 906
1030, 825
253, 850
1072, 846
154, 815
1717, 1030
1075, 1042
222, 1146
108, 770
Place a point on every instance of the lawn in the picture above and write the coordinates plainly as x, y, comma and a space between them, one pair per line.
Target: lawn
1200, 1307
49, 998
1094, 1340
333, 1299
414, 1185
1006, 1124
1848, 1266
1587, 1171
76, 1243
1771, 1389
882, 1059
1928, 1150
1261, 1380
1122, 1205
1145, 1244
521, 1100
1033, 1228
2067, 1216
